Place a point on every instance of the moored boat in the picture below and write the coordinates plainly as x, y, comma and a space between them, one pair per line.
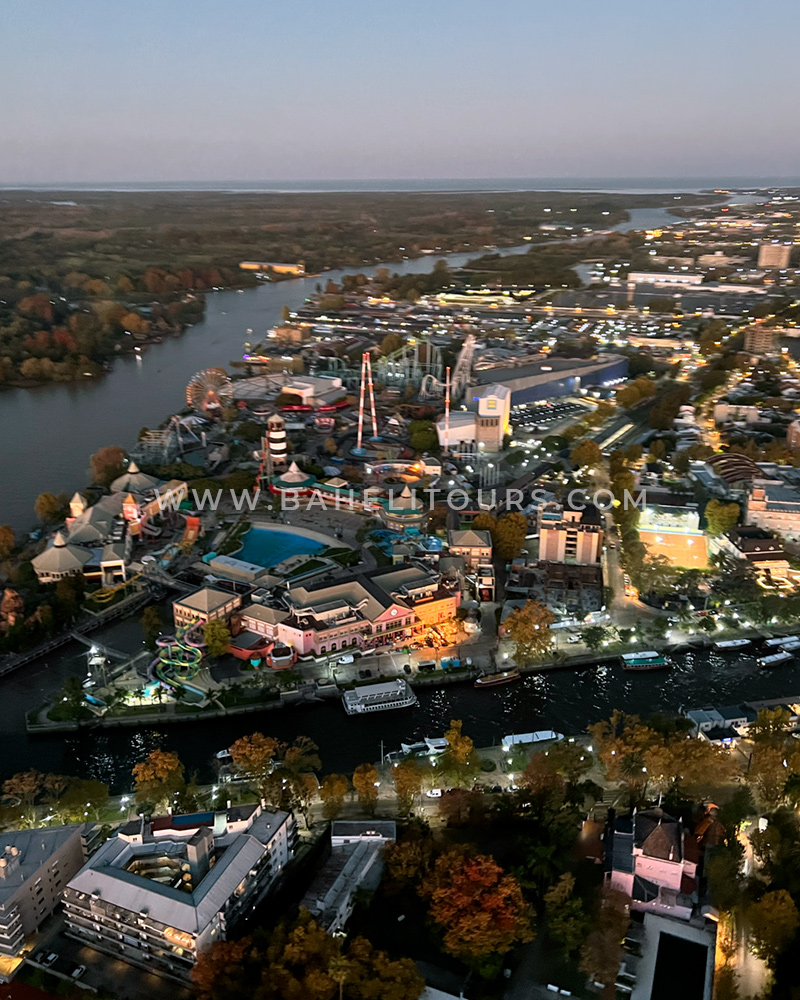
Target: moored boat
647, 660
775, 659
728, 644
503, 677
379, 697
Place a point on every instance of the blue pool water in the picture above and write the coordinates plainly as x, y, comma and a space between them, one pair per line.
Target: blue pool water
268, 546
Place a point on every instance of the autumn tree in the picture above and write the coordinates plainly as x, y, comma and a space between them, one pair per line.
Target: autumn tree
721, 517
528, 628
460, 757
478, 906
587, 454
332, 791
158, 778
253, 759
51, 508
773, 921
602, 950
83, 796
298, 960
409, 860
107, 464
509, 535
566, 919
365, 784
23, 789
217, 638
7, 541
407, 778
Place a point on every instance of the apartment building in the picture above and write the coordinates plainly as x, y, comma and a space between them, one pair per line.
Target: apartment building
570, 533
164, 889
35, 865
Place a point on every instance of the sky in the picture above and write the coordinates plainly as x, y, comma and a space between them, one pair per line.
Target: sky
105, 91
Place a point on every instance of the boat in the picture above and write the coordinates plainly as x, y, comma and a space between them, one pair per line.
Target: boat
428, 747
775, 659
775, 643
523, 739
727, 644
647, 660
379, 697
791, 644
491, 680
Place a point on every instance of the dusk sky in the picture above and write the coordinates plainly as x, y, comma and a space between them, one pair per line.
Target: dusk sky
99, 90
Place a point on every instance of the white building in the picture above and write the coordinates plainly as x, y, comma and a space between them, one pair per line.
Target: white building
35, 865
482, 427
165, 889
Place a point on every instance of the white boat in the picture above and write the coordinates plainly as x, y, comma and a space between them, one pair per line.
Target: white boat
731, 644
791, 644
523, 739
775, 659
429, 747
775, 643
379, 697
647, 654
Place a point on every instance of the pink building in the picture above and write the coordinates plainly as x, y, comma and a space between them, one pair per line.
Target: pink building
654, 861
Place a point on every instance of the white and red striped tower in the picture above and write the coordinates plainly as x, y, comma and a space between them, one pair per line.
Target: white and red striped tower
361, 401
372, 398
447, 413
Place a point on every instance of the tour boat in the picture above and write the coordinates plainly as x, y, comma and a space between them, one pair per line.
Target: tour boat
644, 661
379, 697
504, 677
791, 644
727, 644
524, 739
775, 659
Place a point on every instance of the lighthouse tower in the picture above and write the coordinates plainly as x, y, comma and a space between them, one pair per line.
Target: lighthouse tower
276, 440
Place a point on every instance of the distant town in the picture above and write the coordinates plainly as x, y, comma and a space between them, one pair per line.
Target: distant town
579, 456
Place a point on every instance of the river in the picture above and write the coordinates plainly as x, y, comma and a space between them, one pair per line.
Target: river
564, 700
49, 432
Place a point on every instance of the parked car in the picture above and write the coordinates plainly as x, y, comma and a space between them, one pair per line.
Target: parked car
77, 973
434, 793
347, 658
48, 960
364, 674
426, 665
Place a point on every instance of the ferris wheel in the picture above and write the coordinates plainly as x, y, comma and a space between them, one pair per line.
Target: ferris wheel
209, 390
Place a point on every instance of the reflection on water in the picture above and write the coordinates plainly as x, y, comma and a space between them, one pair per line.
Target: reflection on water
564, 700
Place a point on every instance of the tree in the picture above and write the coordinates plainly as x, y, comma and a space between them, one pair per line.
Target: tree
158, 778
408, 783
721, 517
391, 342
107, 464
774, 921
365, 784
479, 907
217, 638
423, 436
84, 796
7, 541
72, 696
253, 759
408, 861
25, 787
331, 446
298, 960
587, 453
655, 573
151, 623
528, 628
594, 636
509, 535
602, 950
333, 790
566, 919
51, 508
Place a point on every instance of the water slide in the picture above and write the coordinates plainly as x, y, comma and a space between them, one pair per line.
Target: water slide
179, 658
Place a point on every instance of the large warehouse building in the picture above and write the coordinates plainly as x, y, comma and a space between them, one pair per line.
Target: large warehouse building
549, 378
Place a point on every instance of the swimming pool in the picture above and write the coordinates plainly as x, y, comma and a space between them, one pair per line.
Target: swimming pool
269, 546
